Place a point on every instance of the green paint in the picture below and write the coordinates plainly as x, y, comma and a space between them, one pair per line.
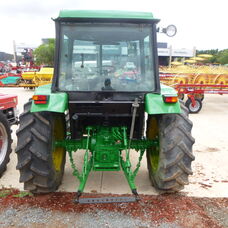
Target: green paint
107, 149
154, 103
106, 152
105, 14
57, 102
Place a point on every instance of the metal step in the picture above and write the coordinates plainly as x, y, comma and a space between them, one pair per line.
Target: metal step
108, 200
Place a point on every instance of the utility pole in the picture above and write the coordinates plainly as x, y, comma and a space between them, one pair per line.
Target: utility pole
194, 52
170, 55
14, 51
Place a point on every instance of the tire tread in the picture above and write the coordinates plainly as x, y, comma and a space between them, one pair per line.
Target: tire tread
175, 152
34, 159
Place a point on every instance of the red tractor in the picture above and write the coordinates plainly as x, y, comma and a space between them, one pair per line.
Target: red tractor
8, 117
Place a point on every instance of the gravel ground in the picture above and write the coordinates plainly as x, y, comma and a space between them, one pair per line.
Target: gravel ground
58, 210
24, 216
30, 217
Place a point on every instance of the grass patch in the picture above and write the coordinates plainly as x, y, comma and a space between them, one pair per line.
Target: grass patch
5, 192
15, 193
23, 194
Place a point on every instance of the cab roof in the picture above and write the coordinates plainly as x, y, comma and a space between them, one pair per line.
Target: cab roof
110, 14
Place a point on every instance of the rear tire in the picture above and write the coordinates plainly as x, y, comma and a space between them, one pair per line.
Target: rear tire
5, 143
41, 165
169, 163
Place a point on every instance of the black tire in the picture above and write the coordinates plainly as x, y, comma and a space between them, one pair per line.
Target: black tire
40, 170
169, 163
5, 143
196, 108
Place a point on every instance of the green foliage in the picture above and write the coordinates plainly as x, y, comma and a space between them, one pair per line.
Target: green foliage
44, 54
210, 52
220, 57
213, 52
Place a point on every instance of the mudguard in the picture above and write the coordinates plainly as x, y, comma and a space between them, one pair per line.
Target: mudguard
57, 102
154, 103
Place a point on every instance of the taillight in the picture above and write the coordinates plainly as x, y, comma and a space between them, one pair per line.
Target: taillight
40, 99
170, 99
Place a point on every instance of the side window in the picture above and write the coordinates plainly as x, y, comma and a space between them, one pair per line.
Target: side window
147, 55
64, 59
148, 61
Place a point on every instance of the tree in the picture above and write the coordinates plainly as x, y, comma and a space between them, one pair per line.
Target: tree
222, 57
212, 52
44, 54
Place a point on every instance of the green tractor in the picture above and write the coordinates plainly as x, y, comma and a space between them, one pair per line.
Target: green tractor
106, 101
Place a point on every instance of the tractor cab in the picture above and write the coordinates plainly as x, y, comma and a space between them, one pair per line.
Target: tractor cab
104, 61
106, 52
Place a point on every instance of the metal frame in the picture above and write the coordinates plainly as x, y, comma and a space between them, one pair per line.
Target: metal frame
192, 90
106, 149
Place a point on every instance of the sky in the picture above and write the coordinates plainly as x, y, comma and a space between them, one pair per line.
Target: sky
202, 24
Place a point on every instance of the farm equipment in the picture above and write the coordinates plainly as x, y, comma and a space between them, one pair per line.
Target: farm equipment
105, 112
13, 76
9, 79
195, 81
33, 79
8, 117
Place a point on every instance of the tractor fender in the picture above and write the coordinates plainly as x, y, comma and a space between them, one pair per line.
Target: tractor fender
57, 102
154, 103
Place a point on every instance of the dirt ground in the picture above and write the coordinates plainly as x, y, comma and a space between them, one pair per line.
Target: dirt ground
203, 203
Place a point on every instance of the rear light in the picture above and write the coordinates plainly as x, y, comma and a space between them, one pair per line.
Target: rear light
40, 99
170, 99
